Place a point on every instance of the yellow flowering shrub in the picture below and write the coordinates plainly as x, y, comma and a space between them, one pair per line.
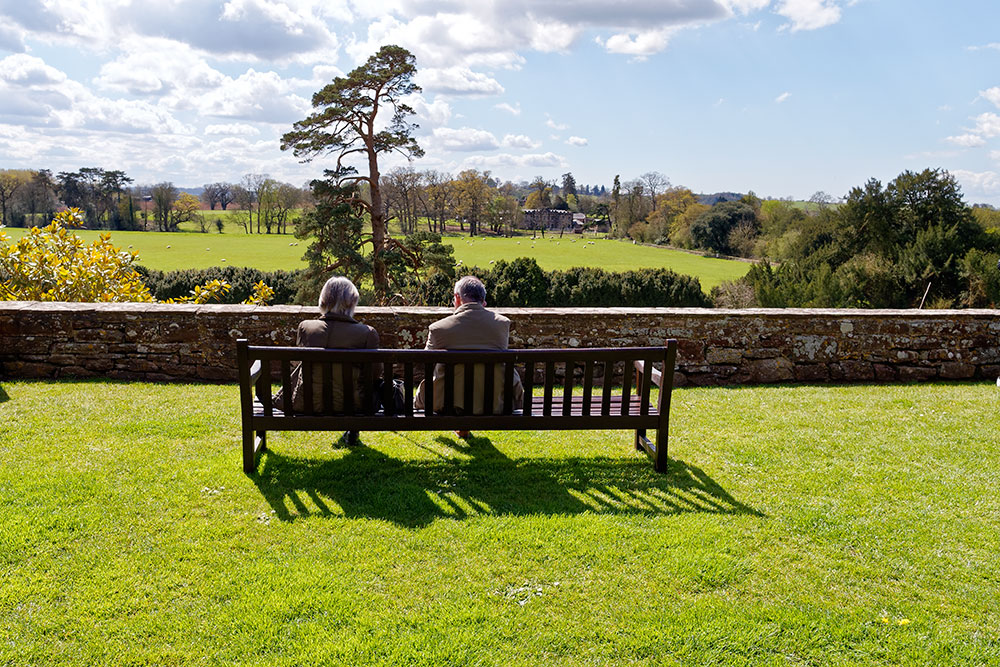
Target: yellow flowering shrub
54, 264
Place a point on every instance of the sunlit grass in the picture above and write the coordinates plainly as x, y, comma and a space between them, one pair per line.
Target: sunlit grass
268, 252
806, 525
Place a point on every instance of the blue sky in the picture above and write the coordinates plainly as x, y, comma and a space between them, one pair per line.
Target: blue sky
782, 97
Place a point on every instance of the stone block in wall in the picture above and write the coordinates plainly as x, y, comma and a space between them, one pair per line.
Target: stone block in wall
917, 373
956, 370
852, 371
75, 372
885, 373
724, 355
29, 369
80, 349
106, 335
811, 372
766, 371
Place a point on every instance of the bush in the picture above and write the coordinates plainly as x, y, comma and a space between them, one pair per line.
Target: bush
175, 284
522, 283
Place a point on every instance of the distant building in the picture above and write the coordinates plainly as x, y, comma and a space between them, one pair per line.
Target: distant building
547, 218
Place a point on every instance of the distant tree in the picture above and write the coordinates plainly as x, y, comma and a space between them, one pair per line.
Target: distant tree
541, 194
713, 228
472, 192
347, 124
210, 195
653, 184
439, 199
164, 195
187, 208
11, 180
38, 196
568, 185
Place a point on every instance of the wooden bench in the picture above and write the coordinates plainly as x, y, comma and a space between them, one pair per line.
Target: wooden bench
595, 407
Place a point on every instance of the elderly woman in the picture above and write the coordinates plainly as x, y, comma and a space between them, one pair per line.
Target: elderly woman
335, 328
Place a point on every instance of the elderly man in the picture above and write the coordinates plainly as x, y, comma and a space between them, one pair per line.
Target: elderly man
471, 327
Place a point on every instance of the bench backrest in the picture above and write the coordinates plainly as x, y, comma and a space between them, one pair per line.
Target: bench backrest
593, 368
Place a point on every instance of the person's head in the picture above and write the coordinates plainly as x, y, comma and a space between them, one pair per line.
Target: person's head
339, 295
470, 289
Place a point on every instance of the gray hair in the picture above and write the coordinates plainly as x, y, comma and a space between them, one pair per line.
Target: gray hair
471, 288
339, 295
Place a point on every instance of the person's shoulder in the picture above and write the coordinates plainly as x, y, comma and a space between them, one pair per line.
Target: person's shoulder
443, 322
498, 317
312, 325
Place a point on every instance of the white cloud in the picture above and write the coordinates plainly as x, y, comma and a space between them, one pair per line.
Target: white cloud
232, 129
520, 141
257, 96
782, 97
11, 39
464, 139
991, 95
159, 67
430, 114
512, 110
993, 46
554, 125
809, 14
577, 141
265, 29
457, 81
987, 125
966, 140
493, 34
981, 183
639, 44
746, 6
501, 160
23, 70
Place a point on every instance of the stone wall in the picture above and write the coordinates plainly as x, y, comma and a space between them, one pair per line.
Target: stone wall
160, 342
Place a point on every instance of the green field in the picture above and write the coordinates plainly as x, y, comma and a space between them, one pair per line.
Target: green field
811, 525
186, 250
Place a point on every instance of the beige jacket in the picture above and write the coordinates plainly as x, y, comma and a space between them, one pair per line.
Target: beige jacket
331, 331
471, 327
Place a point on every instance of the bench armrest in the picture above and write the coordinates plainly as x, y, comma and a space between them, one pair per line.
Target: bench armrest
656, 375
255, 369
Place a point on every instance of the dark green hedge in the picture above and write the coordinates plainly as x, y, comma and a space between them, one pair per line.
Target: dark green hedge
173, 284
522, 283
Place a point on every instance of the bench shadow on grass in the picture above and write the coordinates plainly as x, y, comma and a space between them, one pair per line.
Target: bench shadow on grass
481, 480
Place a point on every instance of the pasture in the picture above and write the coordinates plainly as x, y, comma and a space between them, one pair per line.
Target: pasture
269, 252
813, 525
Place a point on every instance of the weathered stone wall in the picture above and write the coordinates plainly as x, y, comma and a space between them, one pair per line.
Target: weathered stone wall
182, 342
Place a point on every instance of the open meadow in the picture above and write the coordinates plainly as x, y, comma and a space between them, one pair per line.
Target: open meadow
168, 251
808, 525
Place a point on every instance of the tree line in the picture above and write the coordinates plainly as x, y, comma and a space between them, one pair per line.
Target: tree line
109, 199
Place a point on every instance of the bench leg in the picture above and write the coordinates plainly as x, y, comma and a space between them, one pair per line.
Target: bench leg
262, 436
249, 456
660, 462
640, 433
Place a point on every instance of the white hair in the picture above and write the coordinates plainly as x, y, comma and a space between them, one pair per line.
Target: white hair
339, 295
471, 288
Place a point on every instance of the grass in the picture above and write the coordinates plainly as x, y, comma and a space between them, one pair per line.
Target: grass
268, 252
810, 525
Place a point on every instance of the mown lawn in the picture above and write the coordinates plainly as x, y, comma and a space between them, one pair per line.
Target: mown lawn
268, 252
797, 525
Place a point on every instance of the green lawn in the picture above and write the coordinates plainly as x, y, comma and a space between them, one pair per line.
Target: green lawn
808, 525
268, 252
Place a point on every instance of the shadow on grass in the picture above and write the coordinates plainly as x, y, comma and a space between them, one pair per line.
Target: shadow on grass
366, 483
4, 397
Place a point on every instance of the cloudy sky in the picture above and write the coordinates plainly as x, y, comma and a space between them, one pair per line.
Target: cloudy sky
782, 97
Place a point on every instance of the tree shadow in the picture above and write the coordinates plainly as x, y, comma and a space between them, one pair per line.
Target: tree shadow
476, 479
4, 397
